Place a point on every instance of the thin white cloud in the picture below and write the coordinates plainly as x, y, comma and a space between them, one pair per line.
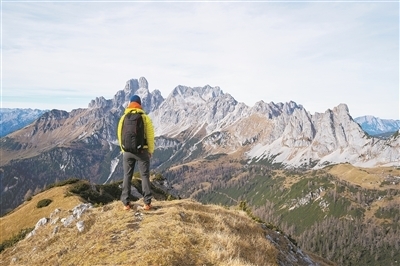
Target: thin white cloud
316, 54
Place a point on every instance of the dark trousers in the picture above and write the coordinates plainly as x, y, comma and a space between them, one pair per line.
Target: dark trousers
128, 163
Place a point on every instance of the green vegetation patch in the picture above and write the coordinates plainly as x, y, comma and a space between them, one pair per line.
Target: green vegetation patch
103, 194
63, 183
255, 191
43, 203
338, 207
303, 217
97, 194
388, 212
15, 239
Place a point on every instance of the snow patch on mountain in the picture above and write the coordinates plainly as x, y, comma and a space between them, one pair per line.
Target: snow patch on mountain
114, 163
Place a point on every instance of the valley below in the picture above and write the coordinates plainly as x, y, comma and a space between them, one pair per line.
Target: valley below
347, 214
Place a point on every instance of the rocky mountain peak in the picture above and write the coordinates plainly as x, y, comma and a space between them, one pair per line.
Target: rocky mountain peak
196, 94
150, 101
143, 83
99, 102
131, 86
341, 108
54, 114
49, 121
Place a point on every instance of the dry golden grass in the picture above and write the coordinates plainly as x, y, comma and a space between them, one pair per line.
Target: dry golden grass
27, 214
369, 178
180, 232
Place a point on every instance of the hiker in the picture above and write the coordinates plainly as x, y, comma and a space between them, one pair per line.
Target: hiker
141, 153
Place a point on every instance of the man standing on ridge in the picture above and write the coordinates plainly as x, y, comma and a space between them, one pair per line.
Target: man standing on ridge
142, 156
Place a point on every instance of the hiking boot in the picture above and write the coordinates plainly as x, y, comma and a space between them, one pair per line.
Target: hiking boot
147, 207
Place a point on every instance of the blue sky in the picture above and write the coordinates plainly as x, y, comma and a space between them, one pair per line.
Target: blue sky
319, 54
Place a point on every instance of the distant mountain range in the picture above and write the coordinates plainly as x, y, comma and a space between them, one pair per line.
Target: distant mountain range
378, 127
191, 124
13, 119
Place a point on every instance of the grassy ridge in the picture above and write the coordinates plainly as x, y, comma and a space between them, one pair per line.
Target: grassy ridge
27, 214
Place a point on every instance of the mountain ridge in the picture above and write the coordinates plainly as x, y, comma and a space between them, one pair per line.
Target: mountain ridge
190, 124
373, 125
